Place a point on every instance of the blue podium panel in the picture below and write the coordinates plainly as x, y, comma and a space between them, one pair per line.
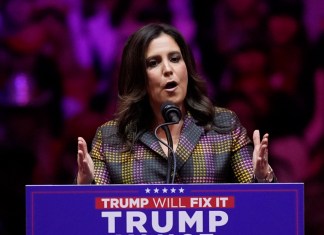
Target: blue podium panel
154, 209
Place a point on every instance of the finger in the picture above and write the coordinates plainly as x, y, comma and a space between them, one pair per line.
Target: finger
265, 138
80, 159
264, 146
264, 152
256, 137
82, 152
265, 141
82, 145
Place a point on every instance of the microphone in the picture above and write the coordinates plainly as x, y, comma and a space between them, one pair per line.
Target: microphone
170, 112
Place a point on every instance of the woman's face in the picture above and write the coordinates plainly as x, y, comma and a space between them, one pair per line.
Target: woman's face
166, 71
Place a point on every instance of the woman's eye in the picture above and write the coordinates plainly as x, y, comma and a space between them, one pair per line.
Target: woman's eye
175, 59
151, 63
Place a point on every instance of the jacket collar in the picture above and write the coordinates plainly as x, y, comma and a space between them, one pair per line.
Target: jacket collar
190, 135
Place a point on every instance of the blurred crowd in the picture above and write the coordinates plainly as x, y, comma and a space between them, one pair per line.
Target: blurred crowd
59, 59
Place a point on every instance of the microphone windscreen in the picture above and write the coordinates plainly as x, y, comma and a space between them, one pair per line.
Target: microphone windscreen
170, 112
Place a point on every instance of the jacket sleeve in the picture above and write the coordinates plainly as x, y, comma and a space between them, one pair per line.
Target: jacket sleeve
101, 173
241, 153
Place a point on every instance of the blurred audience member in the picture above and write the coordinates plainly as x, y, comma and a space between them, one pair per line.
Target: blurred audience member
300, 158
232, 23
290, 74
237, 22
245, 85
313, 18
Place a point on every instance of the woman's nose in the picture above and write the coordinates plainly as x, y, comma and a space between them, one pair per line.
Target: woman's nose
167, 68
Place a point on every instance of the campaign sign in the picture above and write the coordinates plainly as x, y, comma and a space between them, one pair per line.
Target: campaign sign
156, 209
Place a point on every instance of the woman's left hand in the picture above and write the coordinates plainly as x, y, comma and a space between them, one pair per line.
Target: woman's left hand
261, 167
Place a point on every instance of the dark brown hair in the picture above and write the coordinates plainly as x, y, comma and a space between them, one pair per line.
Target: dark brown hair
134, 114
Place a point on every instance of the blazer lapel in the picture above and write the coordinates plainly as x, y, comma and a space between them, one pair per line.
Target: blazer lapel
189, 138
149, 139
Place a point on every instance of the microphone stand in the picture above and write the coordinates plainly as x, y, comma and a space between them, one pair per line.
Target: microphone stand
172, 115
171, 154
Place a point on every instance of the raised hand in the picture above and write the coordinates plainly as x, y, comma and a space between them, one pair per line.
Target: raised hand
85, 163
261, 167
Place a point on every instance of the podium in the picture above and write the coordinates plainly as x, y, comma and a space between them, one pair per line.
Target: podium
154, 209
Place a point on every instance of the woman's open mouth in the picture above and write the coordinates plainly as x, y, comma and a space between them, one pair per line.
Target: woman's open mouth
171, 86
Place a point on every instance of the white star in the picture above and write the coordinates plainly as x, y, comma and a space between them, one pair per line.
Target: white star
181, 190
173, 190
156, 190
164, 190
147, 190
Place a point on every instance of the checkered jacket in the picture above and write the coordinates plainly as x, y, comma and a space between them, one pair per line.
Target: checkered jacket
223, 155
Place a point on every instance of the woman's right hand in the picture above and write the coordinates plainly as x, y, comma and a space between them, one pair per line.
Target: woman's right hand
85, 164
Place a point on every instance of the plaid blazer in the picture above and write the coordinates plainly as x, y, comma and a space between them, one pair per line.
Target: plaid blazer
223, 155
